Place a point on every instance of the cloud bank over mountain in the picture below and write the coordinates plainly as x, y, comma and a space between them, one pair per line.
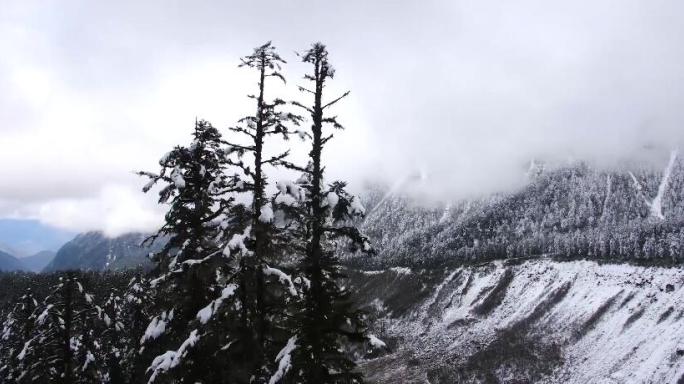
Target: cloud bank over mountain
465, 92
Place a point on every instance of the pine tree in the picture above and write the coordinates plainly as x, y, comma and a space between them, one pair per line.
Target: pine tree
17, 330
263, 243
64, 348
232, 250
190, 264
328, 322
135, 315
113, 337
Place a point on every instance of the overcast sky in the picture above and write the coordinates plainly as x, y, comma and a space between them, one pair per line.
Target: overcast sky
467, 92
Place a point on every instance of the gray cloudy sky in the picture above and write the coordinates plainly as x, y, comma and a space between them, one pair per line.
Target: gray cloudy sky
466, 91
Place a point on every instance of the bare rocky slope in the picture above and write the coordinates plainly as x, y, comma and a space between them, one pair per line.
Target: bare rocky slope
534, 321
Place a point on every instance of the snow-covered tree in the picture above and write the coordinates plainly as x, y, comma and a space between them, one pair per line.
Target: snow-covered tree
222, 265
194, 184
17, 329
327, 323
113, 337
64, 347
135, 315
259, 250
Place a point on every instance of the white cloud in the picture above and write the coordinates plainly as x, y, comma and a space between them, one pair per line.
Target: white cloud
467, 91
115, 210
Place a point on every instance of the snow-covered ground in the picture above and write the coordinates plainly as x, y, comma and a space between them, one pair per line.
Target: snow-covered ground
538, 321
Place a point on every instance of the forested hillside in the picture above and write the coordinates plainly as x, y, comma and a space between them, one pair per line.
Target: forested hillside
573, 211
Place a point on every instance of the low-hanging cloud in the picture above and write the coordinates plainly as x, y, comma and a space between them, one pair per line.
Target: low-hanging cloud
465, 92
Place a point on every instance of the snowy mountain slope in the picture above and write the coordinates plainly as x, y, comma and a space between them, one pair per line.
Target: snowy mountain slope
96, 252
538, 321
574, 211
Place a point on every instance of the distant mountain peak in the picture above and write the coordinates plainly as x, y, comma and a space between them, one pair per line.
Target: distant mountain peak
38, 261
95, 251
9, 263
6, 248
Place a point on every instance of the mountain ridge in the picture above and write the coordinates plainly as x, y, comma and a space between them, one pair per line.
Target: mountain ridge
38, 261
573, 211
95, 251
9, 263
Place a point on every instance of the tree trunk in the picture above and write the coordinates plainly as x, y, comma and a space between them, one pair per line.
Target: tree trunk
315, 249
66, 334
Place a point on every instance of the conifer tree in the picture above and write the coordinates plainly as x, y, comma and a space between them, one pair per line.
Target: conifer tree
189, 265
237, 331
64, 347
263, 303
113, 337
135, 315
17, 329
328, 323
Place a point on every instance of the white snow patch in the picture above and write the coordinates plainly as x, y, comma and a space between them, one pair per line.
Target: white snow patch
177, 178
284, 360
371, 273
22, 354
171, 359
375, 342
266, 215
89, 359
204, 314
156, 327
237, 242
356, 206
656, 205
331, 200
43, 315
401, 270
283, 277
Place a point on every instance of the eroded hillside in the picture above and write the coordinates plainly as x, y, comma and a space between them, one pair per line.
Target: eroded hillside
538, 321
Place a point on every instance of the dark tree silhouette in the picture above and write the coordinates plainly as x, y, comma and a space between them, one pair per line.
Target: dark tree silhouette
18, 328
328, 323
263, 304
64, 348
188, 266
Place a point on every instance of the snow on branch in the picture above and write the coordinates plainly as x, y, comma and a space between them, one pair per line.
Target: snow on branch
24, 350
171, 359
266, 215
237, 242
204, 314
156, 327
44, 314
283, 277
177, 178
284, 360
